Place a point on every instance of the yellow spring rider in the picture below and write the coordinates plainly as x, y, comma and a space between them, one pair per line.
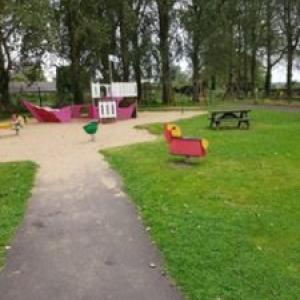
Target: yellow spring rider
15, 124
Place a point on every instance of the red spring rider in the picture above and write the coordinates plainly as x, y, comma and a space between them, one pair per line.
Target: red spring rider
183, 146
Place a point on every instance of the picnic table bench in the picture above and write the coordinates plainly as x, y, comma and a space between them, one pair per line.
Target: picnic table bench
217, 117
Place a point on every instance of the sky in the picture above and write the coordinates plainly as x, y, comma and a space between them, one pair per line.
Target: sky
279, 71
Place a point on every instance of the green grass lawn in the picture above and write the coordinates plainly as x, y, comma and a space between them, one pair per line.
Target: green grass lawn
16, 180
228, 226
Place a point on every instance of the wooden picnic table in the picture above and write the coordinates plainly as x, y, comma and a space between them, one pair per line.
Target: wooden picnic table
239, 115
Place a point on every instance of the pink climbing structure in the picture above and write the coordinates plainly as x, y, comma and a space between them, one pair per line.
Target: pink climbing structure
124, 111
47, 114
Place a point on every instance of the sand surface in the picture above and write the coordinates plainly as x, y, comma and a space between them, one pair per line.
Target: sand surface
61, 149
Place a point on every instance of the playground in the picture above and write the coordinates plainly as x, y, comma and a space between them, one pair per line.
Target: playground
224, 223
150, 150
78, 214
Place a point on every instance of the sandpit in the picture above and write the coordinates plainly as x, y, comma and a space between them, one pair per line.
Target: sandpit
53, 145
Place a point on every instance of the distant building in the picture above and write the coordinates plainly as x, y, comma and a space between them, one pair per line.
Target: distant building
23, 87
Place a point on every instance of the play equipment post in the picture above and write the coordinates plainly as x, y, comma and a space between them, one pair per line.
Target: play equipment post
110, 76
40, 96
111, 59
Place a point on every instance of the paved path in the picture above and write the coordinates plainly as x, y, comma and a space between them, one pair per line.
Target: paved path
81, 237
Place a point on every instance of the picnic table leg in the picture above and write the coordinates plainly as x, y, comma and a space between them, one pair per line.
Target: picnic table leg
212, 121
248, 124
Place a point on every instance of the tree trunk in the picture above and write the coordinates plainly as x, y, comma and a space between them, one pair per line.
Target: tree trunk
75, 68
4, 90
196, 76
4, 77
253, 72
138, 77
213, 85
290, 58
137, 67
76, 75
239, 58
268, 77
164, 26
290, 47
231, 86
246, 70
253, 68
124, 42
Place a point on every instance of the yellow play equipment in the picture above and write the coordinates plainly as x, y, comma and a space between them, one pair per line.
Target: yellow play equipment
15, 124
6, 125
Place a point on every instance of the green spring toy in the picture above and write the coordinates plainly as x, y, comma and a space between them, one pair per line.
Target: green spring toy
91, 129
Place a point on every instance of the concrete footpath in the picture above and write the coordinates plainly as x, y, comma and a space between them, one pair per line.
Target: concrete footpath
82, 237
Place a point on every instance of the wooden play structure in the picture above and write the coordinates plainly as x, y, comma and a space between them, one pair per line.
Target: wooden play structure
183, 146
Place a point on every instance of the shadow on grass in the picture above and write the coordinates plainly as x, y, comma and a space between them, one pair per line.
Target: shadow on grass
185, 162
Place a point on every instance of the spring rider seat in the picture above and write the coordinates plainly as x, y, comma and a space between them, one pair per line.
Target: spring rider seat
184, 146
91, 129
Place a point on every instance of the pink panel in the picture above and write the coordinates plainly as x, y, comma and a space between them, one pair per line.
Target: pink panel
32, 109
76, 110
93, 112
49, 115
64, 114
125, 113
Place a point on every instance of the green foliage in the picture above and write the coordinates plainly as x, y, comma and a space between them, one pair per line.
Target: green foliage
25, 36
29, 74
16, 181
226, 42
228, 225
81, 32
179, 77
64, 84
47, 99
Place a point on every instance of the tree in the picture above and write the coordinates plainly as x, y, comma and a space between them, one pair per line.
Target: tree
141, 40
81, 33
274, 49
29, 73
255, 23
127, 19
290, 17
202, 27
24, 36
164, 14
191, 19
